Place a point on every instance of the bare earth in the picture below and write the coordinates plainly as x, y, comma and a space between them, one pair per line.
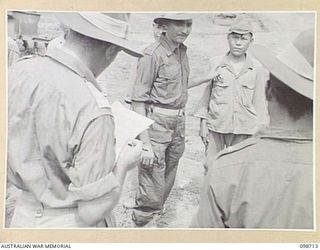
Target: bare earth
207, 39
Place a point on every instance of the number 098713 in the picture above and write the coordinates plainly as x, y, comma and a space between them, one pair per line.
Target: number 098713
308, 245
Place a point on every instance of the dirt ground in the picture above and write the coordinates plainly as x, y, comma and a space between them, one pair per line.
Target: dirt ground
208, 38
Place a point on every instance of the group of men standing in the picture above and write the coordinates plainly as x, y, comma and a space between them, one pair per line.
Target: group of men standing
61, 131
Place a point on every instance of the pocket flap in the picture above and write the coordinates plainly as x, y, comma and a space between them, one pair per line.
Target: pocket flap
249, 85
159, 134
221, 83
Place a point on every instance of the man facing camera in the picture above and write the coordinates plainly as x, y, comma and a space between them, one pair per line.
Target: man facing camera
267, 180
160, 93
233, 106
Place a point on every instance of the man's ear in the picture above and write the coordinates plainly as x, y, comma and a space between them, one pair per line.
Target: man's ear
66, 32
112, 48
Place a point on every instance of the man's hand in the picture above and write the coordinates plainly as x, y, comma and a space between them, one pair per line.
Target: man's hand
215, 76
204, 132
147, 155
130, 155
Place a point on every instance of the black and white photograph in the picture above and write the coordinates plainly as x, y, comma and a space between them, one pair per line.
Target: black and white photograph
160, 120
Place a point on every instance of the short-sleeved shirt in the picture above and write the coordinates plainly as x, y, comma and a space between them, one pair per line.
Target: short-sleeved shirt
162, 75
233, 103
60, 131
263, 182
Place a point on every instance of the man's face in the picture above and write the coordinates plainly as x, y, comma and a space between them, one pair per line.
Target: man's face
239, 43
157, 30
178, 31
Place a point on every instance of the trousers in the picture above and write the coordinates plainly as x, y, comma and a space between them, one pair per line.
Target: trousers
219, 141
167, 135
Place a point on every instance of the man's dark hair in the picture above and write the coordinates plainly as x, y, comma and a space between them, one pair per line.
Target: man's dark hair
295, 103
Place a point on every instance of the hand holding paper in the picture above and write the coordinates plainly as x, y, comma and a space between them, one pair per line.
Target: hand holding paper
128, 125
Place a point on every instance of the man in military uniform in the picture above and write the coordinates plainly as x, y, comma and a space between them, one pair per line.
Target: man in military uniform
160, 93
61, 142
233, 105
157, 31
267, 180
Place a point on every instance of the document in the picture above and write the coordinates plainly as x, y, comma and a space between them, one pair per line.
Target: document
128, 125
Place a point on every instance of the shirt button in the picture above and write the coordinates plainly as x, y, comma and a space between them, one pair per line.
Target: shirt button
39, 212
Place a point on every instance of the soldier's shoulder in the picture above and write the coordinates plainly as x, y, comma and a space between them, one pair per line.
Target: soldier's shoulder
27, 57
27, 63
255, 62
151, 49
238, 148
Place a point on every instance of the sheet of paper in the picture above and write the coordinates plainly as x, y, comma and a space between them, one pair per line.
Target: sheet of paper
128, 125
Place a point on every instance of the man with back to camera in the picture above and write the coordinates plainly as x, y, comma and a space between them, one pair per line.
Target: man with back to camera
267, 180
160, 93
61, 144
233, 105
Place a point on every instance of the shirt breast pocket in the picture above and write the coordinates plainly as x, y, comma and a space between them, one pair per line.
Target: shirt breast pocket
220, 92
247, 88
169, 71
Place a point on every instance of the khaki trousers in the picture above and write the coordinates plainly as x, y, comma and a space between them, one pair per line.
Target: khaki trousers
167, 136
220, 141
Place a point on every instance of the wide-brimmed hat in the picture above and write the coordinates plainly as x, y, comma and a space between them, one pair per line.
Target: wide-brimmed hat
240, 26
172, 16
294, 65
109, 27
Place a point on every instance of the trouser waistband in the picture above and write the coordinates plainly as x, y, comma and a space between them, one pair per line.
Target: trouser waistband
166, 111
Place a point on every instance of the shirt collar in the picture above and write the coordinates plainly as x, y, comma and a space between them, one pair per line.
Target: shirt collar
169, 46
285, 134
73, 62
248, 64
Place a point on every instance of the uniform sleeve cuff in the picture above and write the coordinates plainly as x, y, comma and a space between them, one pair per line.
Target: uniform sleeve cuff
140, 99
200, 114
95, 189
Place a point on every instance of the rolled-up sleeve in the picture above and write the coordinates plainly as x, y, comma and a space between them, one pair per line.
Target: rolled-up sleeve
92, 175
201, 110
146, 75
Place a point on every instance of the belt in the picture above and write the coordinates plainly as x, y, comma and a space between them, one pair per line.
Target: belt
165, 111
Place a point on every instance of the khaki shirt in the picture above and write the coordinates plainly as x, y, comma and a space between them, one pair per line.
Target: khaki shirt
235, 103
60, 131
162, 75
262, 182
